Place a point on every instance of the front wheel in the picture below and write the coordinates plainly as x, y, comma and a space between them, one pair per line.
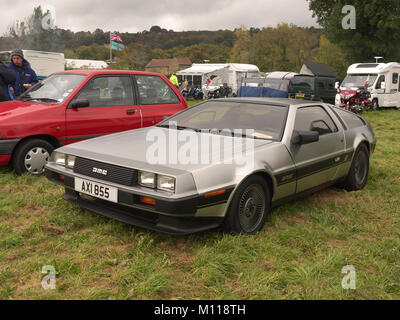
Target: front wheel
31, 156
358, 174
375, 104
249, 208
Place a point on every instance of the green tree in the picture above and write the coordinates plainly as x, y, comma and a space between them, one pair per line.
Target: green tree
376, 32
241, 51
332, 55
195, 53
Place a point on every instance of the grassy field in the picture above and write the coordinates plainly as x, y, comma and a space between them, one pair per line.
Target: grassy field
298, 255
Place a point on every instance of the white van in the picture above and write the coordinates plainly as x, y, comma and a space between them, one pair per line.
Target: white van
382, 79
43, 63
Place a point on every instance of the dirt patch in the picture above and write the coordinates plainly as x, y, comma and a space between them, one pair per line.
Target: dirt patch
53, 229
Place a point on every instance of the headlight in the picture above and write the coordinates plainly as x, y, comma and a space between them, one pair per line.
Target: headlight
63, 159
59, 158
71, 161
166, 183
147, 179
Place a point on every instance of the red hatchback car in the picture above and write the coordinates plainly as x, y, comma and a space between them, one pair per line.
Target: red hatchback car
75, 105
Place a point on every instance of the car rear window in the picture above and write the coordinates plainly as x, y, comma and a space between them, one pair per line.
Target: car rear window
352, 120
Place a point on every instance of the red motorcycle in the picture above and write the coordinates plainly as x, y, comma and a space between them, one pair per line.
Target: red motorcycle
355, 100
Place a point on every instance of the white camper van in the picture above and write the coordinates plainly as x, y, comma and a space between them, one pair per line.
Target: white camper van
382, 79
44, 63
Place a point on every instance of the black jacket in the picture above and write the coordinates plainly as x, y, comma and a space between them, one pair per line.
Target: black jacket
7, 76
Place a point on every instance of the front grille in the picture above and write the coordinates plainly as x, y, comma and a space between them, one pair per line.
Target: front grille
116, 174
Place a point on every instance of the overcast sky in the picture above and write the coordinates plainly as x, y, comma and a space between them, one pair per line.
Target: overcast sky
139, 15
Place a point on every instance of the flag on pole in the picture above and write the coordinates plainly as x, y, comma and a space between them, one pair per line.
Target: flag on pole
117, 46
114, 37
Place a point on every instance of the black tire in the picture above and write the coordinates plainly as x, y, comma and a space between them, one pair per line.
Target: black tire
358, 174
375, 104
31, 156
249, 208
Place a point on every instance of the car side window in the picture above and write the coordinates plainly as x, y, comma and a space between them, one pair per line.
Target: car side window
314, 119
379, 83
352, 120
154, 90
109, 91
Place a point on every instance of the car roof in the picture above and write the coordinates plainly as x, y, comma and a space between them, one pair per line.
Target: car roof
284, 102
107, 71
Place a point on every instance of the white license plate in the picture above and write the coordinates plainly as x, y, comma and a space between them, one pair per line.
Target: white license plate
97, 190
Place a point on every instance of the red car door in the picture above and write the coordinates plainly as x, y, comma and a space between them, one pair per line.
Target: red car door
112, 108
157, 98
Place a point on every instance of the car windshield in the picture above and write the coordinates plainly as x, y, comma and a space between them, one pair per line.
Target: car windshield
302, 81
262, 121
359, 80
54, 89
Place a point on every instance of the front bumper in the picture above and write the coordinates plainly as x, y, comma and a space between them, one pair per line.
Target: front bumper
178, 217
6, 150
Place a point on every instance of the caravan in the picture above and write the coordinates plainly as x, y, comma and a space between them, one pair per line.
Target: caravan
382, 80
230, 74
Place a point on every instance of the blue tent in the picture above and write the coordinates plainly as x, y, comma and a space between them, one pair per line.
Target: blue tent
262, 92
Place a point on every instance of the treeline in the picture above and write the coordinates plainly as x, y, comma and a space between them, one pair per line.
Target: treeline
283, 48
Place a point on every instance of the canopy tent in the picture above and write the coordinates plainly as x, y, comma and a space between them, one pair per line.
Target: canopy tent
230, 73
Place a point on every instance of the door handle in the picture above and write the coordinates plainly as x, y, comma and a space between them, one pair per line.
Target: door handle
131, 111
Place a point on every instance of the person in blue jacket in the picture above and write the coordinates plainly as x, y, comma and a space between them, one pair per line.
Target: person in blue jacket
7, 77
25, 75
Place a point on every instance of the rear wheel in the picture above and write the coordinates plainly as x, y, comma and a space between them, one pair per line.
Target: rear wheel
249, 208
358, 174
31, 156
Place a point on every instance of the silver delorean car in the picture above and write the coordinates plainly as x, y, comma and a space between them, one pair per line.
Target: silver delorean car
275, 151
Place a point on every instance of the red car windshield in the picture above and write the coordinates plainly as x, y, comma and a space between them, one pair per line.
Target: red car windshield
54, 89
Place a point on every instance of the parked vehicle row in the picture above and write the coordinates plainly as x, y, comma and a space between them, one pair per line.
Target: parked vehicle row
77, 127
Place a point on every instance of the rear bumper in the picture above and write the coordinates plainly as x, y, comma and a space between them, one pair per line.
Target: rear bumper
177, 217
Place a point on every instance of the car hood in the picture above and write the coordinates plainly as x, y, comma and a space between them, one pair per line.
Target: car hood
15, 107
135, 149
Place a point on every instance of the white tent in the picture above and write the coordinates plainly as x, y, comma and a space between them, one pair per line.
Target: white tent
232, 72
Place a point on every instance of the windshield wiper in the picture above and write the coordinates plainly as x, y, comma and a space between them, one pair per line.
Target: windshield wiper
40, 99
177, 127
233, 134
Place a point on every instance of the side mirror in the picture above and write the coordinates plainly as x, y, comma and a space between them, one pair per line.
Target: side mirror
304, 137
80, 103
383, 85
337, 85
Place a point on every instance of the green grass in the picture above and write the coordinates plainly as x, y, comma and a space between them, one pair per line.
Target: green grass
298, 255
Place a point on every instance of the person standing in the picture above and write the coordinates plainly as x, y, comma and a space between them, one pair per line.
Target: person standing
174, 80
7, 78
25, 75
